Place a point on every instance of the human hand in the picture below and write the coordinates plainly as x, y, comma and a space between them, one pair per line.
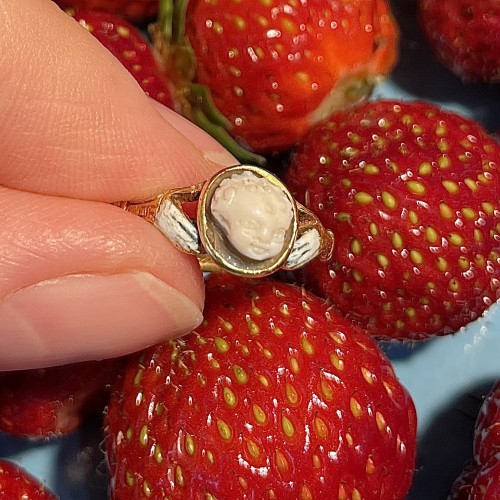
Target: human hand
79, 278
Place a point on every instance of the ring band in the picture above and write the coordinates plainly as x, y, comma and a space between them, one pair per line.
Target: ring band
247, 223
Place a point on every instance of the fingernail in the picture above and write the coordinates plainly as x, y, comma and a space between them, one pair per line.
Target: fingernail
81, 317
211, 149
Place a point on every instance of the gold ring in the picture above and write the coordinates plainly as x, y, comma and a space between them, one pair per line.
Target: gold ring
247, 223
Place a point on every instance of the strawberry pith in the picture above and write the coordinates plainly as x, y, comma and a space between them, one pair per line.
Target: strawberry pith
412, 194
273, 396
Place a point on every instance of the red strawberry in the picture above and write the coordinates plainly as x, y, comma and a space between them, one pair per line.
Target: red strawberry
464, 35
16, 483
276, 68
462, 486
54, 401
481, 479
411, 193
486, 486
135, 11
273, 396
487, 434
130, 47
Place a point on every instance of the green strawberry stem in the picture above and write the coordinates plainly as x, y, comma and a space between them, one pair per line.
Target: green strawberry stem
164, 21
170, 41
200, 95
221, 135
170, 10
178, 27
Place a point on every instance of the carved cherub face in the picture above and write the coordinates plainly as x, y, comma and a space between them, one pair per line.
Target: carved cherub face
254, 214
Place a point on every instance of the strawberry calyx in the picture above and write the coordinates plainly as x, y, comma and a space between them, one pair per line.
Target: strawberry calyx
196, 102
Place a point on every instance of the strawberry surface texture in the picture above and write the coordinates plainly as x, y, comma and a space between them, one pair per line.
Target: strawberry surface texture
480, 479
132, 49
465, 36
52, 402
280, 393
276, 68
411, 193
273, 396
136, 11
487, 435
16, 483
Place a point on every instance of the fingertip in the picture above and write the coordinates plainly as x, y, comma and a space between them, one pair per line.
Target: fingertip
83, 280
216, 155
84, 317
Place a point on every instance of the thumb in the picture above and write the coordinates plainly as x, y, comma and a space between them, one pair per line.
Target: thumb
80, 279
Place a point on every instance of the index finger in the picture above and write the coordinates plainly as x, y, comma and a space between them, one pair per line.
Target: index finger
75, 123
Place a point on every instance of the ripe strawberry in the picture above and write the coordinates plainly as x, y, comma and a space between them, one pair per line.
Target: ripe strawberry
411, 193
481, 479
54, 401
276, 68
16, 483
135, 11
130, 47
487, 433
461, 487
487, 483
464, 35
273, 396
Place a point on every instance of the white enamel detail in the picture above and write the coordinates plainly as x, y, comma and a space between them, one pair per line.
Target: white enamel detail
305, 249
177, 227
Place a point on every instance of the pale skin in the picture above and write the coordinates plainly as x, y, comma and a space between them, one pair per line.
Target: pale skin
81, 279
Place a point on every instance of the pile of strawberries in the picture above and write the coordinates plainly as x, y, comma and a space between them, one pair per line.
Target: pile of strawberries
283, 391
